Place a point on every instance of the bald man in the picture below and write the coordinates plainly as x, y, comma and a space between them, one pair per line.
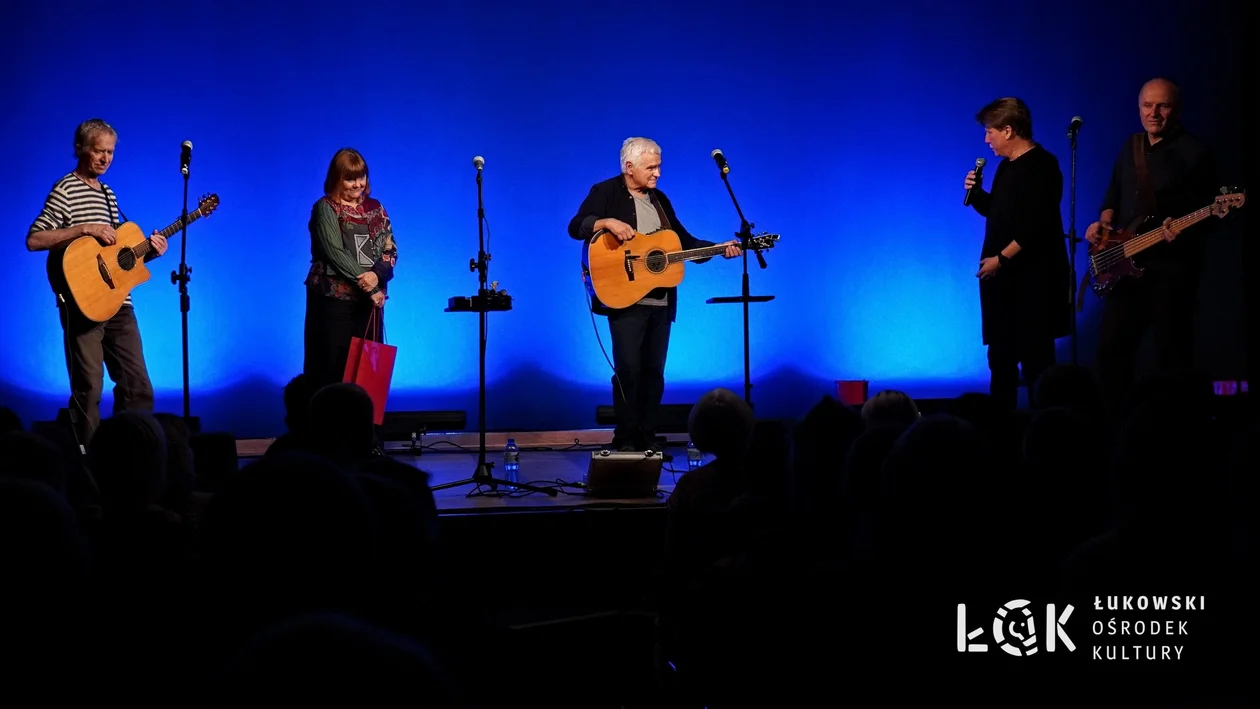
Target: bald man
1181, 178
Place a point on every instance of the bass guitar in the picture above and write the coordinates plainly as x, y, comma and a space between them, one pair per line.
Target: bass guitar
100, 278
1111, 259
621, 274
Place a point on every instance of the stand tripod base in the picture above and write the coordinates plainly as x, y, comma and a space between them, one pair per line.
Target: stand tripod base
482, 476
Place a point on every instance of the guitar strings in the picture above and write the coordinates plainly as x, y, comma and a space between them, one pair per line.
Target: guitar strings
140, 249
689, 254
1114, 254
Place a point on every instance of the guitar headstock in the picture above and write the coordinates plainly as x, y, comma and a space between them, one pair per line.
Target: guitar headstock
207, 204
1231, 198
762, 241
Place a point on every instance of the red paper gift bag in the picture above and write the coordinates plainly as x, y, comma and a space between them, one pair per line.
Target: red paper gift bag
371, 366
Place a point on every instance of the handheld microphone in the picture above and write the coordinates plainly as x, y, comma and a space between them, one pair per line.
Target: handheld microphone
185, 156
479, 162
979, 180
1074, 126
720, 159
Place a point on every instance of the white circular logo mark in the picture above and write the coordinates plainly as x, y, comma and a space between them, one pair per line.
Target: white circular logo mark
1021, 626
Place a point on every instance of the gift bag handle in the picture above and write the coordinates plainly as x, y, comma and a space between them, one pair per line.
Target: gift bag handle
379, 332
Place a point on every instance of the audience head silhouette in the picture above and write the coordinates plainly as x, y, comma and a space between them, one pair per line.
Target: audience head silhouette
341, 423
721, 423
128, 457
32, 457
890, 406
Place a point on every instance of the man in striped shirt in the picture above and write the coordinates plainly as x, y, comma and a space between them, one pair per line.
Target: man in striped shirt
81, 205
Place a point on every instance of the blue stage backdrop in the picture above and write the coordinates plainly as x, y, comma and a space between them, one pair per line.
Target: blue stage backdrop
848, 129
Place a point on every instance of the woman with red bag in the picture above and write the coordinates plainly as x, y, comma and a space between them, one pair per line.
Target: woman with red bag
352, 260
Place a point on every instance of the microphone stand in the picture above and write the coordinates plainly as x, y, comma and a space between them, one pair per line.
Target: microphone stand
1073, 241
181, 279
745, 240
487, 299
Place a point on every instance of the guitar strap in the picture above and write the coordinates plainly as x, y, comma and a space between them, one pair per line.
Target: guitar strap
660, 211
1146, 202
113, 207
1145, 188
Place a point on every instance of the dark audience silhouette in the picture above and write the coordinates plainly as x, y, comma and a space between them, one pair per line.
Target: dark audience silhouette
856, 556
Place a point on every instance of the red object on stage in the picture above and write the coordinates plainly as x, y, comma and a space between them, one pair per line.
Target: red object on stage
371, 366
852, 393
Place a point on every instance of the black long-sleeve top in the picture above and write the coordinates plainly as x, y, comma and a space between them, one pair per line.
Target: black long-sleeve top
1183, 173
1028, 298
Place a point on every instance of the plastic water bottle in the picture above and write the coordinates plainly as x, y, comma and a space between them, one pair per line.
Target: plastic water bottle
512, 462
695, 458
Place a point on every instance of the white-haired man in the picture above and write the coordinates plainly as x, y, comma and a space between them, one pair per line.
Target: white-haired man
624, 205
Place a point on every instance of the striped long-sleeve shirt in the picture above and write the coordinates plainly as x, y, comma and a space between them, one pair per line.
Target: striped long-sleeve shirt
72, 202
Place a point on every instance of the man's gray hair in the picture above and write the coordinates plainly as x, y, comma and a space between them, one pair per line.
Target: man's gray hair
88, 130
635, 148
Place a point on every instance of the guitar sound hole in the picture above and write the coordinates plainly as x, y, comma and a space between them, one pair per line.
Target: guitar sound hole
656, 261
126, 259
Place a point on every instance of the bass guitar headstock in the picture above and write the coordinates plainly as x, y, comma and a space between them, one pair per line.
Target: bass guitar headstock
1231, 198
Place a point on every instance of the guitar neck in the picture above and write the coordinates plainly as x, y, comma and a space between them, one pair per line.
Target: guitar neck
694, 254
170, 230
1141, 243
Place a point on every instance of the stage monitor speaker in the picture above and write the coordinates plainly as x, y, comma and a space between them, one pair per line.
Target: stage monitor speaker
624, 476
63, 419
670, 418
59, 433
61, 426
57, 430
402, 425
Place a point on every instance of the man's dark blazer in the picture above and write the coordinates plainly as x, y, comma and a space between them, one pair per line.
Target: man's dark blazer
611, 199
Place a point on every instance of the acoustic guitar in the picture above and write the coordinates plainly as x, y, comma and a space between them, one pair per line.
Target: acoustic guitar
621, 274
100, 278
1111, 259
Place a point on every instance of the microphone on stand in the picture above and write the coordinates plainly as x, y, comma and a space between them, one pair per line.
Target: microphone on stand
979, 179
1074, 126
479, 162
185, 156
720, 159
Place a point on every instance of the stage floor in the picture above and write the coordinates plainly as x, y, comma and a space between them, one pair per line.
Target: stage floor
553, 459
559, 470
